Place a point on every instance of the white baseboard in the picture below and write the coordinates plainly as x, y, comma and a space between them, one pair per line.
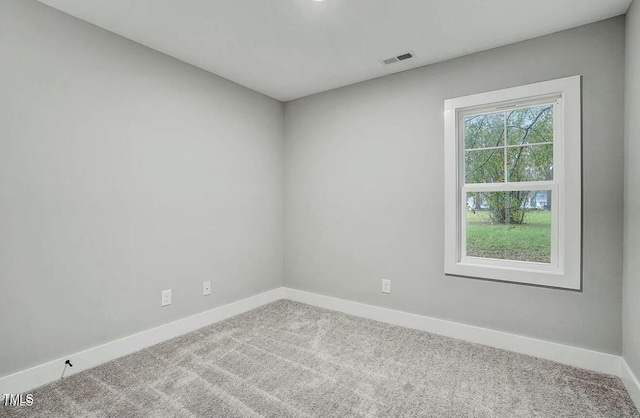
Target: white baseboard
573, 356
25, 380
630, 381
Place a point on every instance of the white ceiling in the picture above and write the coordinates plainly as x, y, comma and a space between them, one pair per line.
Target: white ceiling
292, 48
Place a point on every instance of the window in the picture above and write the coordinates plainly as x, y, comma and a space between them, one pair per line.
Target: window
513, 184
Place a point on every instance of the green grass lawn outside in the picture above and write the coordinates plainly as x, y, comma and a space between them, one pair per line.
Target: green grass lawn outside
530, 241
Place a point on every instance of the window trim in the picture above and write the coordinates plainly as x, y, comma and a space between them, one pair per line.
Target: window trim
565, 270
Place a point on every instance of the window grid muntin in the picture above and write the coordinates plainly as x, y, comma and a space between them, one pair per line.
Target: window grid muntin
509, 146
523, 105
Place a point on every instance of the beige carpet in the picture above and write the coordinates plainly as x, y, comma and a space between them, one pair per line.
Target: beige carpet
287, 359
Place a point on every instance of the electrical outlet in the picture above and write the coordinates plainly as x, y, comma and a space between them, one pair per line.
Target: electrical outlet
206, 288
386, 286
166, 297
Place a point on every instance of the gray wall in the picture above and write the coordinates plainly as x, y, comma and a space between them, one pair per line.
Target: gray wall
631, 290
364, 189
124, 172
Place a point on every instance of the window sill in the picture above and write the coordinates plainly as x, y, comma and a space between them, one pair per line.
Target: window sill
517, 273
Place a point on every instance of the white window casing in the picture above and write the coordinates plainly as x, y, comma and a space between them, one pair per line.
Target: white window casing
564, 270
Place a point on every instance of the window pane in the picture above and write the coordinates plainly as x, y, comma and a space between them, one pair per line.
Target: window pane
484, 131
514, 225
532, 163
485, 166
530, 126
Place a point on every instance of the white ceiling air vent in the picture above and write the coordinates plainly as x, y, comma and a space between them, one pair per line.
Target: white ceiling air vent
398, 58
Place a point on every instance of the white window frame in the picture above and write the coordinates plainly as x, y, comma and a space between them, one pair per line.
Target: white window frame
564, 271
